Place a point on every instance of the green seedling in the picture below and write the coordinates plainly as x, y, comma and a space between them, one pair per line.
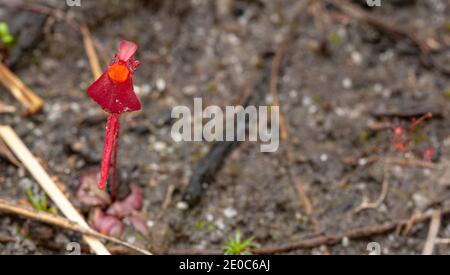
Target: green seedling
235, 246
5, 36
447, 93
334, 39
40, 204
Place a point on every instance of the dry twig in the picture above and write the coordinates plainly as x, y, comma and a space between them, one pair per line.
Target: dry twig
90, 51
435, 224
6, 153
20, 91
276, 64
303, 197
384, 191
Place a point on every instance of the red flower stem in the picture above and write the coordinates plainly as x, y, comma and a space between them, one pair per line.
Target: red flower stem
113, 188
419, 120
112, 129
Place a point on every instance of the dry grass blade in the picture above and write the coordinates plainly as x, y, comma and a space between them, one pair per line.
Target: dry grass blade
384, 192
276, 64
20, 91
31, 163
6, 154
435, 224
303, 197
62, 223
90, 50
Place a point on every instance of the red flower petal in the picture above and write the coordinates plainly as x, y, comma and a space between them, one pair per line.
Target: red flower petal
114, 97
126, 50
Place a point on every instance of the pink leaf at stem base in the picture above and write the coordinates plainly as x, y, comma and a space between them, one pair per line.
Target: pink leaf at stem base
88, 193
107, 224
124, 208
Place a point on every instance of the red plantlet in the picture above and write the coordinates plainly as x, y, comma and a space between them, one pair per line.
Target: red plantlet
401, 137
400, 140
114, 92
415, 122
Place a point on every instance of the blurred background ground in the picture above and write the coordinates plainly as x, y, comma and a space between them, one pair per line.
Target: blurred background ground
338, 78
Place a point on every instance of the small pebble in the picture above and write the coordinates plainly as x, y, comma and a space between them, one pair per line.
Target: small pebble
420, 200
182, 205
209, 217
160, 84
150, 223
131, 239
293, 94
347, 83
362, 161
219, 224
345, 241
229, 212
146, 89
307, 101
159, 146
356, 58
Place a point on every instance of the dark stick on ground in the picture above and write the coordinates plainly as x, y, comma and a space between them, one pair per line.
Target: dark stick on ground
207, 168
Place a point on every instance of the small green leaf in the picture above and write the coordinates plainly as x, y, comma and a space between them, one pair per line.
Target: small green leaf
234, 246
334, 39
39, 204
44, 203
5, 36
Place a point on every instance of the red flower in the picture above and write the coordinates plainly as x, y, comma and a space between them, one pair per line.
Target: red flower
114, 92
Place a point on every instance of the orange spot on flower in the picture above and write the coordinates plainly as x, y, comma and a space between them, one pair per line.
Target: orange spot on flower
118, 73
